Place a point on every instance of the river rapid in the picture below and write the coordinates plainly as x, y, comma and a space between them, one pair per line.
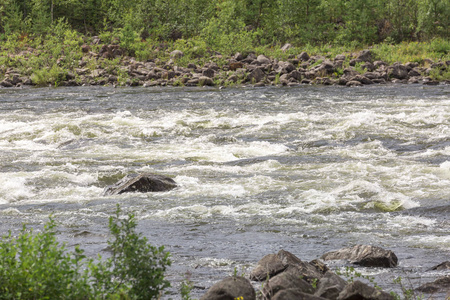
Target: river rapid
307, 169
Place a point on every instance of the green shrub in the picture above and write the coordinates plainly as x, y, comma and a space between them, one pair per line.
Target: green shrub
135, 266
36, 266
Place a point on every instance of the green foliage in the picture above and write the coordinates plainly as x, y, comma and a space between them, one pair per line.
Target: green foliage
36, 266
46, 76
438, 49
229, 24
350, 273
407, 293
186, 287
135, 266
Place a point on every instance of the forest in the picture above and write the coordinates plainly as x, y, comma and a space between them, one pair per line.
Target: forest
223, 22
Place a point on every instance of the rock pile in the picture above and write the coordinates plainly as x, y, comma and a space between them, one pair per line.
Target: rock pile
348, 70
285, 276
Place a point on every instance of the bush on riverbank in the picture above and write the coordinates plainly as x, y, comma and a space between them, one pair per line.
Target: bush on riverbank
36, 266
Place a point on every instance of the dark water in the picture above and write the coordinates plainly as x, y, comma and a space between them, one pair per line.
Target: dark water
307, 169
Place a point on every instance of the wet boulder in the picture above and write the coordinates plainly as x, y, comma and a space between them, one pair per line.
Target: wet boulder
268, 266
330, 286
352, 83
231, 288
364, 255
273, 264
361, 291
6, 83
303, 269
284, 281
441, 267
142, 183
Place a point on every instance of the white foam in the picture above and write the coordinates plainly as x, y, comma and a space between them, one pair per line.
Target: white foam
13, 187
428, 240
11, 211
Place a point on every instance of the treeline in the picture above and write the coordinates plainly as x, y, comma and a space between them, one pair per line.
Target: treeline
262, 22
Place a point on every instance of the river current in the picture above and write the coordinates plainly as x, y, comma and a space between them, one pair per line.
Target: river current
306, 169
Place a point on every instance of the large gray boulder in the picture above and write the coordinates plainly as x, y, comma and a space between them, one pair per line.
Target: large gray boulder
365, 55
143, 183
263, 59
257, 75
284, 281
268, 266
361, 291
273, 264
364, 255
398, 71
330, 286
303, 269
203, 80
231, 288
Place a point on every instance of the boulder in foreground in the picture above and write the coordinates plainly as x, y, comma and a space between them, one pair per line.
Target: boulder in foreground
142, 183
231, 288
273, 264
364, 255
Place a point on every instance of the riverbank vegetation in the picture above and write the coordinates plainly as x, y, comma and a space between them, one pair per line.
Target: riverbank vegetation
43, 39
221, 23
36, 266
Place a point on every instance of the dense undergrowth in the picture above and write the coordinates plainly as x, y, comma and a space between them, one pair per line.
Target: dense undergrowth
43, 38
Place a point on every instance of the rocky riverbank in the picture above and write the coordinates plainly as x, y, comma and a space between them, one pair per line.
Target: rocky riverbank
285, 276
109, 66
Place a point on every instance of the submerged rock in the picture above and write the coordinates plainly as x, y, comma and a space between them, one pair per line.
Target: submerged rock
441, 267
364, 255
442, 284
142, 183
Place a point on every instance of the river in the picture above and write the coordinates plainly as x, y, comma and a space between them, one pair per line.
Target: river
307, 169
